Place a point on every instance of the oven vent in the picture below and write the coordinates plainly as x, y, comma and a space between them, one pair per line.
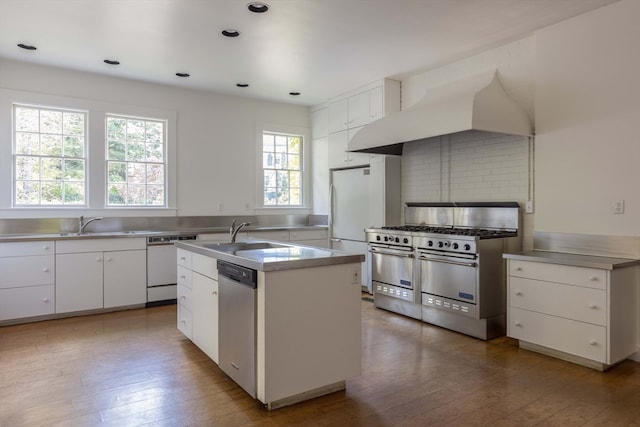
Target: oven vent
479, 103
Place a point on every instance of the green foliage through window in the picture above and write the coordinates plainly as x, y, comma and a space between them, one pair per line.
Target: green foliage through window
136, 162
282, 169
49, 156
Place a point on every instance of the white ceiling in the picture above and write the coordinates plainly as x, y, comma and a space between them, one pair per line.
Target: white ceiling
321, 48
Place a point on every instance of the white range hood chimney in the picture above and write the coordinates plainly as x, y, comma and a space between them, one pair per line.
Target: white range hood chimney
479, 103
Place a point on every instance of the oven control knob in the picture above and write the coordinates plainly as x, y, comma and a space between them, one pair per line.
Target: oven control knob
440, 244
397, 240
467, 247
405, 241
430, 243
455, 246
386, 238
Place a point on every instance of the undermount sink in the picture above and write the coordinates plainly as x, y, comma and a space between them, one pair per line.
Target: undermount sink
232, 248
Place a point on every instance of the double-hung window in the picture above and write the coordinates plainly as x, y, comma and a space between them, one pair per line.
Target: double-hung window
136, 161
49, 155
282, 169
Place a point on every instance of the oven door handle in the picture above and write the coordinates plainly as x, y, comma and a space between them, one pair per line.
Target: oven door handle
446, 261
386, 251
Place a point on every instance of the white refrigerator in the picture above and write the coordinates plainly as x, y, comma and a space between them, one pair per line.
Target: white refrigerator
360, 198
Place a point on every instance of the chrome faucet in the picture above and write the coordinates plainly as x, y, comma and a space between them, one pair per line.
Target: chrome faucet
233, 231
82, 225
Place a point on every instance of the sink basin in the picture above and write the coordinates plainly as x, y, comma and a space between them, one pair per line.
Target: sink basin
232, 248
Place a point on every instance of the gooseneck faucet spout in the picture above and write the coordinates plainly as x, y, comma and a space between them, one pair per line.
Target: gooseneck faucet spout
82, 225
233, 231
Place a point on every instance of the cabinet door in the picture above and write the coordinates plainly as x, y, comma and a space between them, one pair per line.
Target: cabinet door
79, 282
205, 315
336, 149
339, 115
376, 108
359, 110
356, 159
125, 278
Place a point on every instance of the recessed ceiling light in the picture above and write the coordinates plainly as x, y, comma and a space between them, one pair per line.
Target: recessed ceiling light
294, 93
242, 84
230, 33
111, 62
257, 7
183, 74
26, 46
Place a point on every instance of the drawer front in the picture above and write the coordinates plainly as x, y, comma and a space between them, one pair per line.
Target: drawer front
184, 258
100, 245
297, 235
185, 297
26, 248
27, 271
185, 321
30, 301
185, 277
205, 265
571, 302
580, 276
570, 336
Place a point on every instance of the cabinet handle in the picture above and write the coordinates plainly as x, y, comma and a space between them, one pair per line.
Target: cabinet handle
593, 278
518, 324
109, 259
184, 322
518, 268
46, 270
183, 297
182, 258
593, 306
519, 293
45, 299
183, 277
98, 259
593, 342
214, 293
45, 247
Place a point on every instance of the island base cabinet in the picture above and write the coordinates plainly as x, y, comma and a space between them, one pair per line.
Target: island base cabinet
308, 332
205, 314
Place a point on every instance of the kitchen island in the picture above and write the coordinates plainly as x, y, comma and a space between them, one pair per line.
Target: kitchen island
307, 314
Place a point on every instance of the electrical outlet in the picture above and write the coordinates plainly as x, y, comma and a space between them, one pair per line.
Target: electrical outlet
528, 208
617, 207
355, 275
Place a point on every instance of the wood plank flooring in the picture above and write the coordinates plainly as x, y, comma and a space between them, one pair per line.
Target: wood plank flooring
134, 368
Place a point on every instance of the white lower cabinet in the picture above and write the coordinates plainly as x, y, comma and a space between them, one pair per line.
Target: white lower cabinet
198, 300
100, 273
27, 277
584, 315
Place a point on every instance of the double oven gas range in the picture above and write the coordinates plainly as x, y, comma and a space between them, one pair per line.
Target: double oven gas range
445, 266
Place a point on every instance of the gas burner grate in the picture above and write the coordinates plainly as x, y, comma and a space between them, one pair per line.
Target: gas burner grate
453, 231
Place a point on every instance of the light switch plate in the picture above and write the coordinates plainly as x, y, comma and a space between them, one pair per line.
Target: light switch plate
617, 207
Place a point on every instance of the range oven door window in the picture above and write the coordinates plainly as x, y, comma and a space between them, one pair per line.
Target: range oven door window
449, 277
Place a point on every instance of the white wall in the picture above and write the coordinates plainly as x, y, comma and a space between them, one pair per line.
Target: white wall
215, 133
588, 122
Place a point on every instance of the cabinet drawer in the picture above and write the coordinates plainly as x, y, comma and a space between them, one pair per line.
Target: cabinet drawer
101, 245
569, 301
580, 276
185, 277
27, 271
184, 258
299, 235
26, 248
205, 265
185, 297
570, 336
17, 303
185, 321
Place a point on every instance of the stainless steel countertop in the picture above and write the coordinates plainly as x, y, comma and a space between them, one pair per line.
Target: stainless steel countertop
575, 260
283, 258
26, 237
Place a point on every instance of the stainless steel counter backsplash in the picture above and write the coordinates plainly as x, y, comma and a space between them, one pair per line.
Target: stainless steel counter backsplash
588, 244
180, 224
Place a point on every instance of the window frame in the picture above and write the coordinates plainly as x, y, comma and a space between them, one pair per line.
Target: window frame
14, 155
305, 165
164, 163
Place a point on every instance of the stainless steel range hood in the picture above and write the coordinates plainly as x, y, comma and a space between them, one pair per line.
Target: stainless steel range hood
479, 103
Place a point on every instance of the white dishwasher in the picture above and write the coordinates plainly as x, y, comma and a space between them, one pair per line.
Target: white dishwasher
162, 268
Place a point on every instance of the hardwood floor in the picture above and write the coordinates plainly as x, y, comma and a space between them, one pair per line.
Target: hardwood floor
134, 368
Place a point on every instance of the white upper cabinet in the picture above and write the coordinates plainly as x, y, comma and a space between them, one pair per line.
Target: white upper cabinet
339, 115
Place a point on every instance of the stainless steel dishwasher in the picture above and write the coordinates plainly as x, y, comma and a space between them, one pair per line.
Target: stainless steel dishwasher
237, 324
